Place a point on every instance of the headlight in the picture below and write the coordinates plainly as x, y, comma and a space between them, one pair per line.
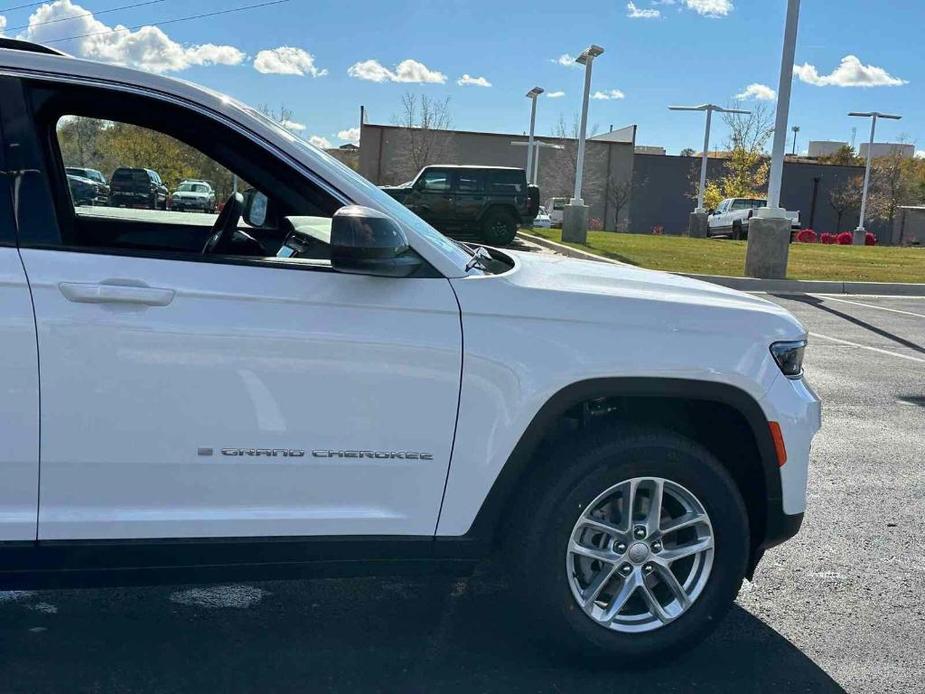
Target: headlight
789, 357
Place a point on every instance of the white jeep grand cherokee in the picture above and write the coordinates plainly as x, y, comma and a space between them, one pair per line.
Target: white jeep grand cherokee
321, 382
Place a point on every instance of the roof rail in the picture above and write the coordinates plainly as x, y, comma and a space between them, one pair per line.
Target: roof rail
17, 45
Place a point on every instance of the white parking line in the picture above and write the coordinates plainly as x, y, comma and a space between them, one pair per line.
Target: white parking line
858, 303
872, 349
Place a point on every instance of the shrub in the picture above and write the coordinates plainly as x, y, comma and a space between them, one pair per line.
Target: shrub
595, 224
870, 239
807, 236
846, 238
826, 237
658, 230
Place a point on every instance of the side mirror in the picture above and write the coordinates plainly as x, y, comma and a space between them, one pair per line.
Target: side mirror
364, 241
255, 208
419, 185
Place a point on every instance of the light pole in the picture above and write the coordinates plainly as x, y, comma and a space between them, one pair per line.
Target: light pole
532, 94
795, 129
710, 109
773, 210
587, 59
860, 232
770, 229
575, 215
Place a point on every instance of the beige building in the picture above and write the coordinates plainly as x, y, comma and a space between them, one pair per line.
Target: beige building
391, 155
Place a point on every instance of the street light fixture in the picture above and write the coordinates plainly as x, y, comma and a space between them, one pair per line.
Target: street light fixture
874, 116
586, 58
531, 156
710, 109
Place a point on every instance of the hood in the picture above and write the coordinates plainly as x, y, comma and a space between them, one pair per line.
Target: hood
590, 291
189, 194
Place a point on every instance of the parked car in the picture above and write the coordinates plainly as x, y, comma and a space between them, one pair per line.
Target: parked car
142, 188
732, 216
320, 382
93, 175
542, 220
556, 208
193, 195
492, 200
87, 192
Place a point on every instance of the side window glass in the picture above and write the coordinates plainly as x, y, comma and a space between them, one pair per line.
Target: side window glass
507, 182
470, 181
435, 181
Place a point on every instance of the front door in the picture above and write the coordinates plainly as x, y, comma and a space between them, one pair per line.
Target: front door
192, 396
432, 198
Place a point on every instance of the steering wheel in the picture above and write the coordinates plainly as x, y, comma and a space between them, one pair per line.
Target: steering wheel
220, 241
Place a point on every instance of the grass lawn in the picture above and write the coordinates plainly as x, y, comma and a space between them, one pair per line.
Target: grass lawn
808, 261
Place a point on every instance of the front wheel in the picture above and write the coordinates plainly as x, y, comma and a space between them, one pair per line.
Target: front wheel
636, 545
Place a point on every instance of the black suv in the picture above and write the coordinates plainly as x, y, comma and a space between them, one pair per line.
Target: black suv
490, 200
137, 188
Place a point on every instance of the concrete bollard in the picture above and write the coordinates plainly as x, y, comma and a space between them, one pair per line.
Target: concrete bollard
858, 237
697, 226
768, 248
575, 224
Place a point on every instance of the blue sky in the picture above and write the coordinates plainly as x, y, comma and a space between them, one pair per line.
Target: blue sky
670, 52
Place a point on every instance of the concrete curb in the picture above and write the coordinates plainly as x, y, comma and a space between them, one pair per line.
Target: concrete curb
750, 284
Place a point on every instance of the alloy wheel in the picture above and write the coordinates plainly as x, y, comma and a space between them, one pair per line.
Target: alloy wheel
640, 554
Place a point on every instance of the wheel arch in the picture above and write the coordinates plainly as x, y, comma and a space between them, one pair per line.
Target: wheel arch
691, 402
499, 207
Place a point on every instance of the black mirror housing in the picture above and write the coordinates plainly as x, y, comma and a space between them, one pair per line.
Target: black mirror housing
365, 241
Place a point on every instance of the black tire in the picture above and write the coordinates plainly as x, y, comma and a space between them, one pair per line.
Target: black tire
499, 227
737, 234
574, 475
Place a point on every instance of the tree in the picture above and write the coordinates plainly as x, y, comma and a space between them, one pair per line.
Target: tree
564, 176
845, 197
619, 193
687, 152
425, 120
843, 156
745, 170
892, 184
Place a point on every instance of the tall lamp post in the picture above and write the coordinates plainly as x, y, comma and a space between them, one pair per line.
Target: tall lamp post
710, 109
860, 233
770, 229
795, 129
531, 156
575, 216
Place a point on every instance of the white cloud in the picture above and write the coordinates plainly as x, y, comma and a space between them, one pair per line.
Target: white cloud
406, 71
710, 8
634, 12
287, 60
851, 72
467, 80
608, 95
292, 125
755, 90
351, 135
555, 95
319, 141
920, 154
147, 48
2, 24
565, 60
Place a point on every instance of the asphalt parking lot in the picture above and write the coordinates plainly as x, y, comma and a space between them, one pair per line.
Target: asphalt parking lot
840, 607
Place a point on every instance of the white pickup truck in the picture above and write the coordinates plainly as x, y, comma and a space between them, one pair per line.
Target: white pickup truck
316, 380
732, 216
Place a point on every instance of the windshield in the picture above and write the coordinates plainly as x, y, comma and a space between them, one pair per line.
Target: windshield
192, 188
383, 201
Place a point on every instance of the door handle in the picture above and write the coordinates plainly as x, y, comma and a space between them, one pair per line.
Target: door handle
116, 293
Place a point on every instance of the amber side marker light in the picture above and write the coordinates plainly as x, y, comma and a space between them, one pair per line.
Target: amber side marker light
779, 446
